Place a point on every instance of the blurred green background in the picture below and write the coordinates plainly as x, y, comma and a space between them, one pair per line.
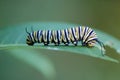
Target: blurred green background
100, 14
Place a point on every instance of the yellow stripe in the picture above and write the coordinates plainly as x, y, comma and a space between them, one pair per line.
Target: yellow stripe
71, 35
76, 33
60, 37
40, 38
54, 35
32, 37
43, 35
35, 35
63, 36
50, 40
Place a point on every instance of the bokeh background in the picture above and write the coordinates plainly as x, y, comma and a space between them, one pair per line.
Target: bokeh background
101, 14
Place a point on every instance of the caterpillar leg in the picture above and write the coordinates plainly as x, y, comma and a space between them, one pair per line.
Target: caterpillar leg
84, 44
75, 43
66, 44
45, 44
56, 44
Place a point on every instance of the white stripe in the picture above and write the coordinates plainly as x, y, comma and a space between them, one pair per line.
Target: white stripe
32, 37
49, 35
67, 34
86, 34
59, 34
74, 32
40, 35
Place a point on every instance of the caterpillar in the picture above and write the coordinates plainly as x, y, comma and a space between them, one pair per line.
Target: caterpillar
73, 35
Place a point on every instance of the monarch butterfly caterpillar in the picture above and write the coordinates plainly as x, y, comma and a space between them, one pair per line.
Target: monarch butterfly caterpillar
86, 35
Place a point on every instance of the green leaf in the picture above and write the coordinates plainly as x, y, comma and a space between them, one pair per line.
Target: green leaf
15, 36
36, 60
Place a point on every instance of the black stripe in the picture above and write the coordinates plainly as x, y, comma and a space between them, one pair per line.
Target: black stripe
58, 37
30, 37
45, 36
89, 35
48, 36
52, 36
60, 34
38, 36
66, 36
86, 32
79, 33
42, 36
73, 34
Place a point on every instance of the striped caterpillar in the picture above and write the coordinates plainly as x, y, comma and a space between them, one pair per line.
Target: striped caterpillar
73, 35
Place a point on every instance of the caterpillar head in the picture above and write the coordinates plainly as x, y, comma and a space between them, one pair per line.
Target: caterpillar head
91, 43
28, 39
